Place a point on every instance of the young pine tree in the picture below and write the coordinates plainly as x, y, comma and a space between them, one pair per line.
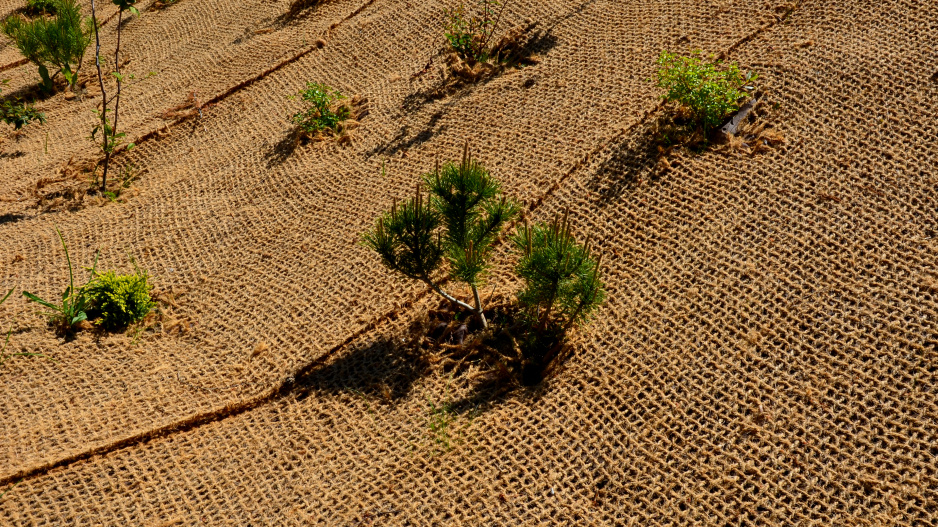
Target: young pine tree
458, 225
562, 285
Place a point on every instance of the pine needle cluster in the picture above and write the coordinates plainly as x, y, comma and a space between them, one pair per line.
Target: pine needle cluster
57, 42
562, 284
458, 224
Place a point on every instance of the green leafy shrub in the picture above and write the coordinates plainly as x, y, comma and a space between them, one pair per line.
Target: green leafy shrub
704, 89
458, 224
18, 114
56, 42
75, 301
562, 289
325, 111
40, 7
120, 300
470, 36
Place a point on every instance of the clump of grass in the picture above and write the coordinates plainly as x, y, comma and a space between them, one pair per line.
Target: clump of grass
57, 42
471, 36
115, 301
75, 303
120, 300
325, 112
707, 91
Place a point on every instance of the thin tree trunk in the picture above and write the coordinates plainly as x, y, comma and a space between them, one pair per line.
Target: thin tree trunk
460, 303
479, 313
97, 63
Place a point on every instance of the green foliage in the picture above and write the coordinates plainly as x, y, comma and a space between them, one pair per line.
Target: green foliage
75, 301
471, 36
708, 93
120, 300
459, 223
40, 7
18, 114
562, 284
473, 212
322, 112
56, 42
408, 240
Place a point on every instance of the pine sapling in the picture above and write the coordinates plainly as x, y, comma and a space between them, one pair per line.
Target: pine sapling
458, 225
562, 288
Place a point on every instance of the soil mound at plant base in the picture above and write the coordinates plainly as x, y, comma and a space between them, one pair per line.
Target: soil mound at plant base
766, 354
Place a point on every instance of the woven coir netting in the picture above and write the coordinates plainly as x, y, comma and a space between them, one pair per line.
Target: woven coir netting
767, 354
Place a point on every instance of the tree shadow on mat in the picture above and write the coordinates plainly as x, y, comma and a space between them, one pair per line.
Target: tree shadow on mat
384, 369
278, 153
401, 143
10, 217
632, 159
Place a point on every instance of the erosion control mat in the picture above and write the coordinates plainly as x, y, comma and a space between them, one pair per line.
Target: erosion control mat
767, 355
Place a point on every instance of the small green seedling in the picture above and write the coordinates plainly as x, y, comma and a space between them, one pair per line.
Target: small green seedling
708, 91
120, 300
324, 112
75, 300
471, 36
17, 113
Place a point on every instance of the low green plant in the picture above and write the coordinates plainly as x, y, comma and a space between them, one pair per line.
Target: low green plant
708, 91
18, 114
120, 300
57, 42
324, 110
75, 300
458, 224
40, 7
439, 420
471, 36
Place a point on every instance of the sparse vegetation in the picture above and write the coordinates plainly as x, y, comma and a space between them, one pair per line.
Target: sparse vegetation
57, 42
459, 223
471, 36
75, 300
111, 141
18, 114
113, 301
325, 110
707, 91
120, 300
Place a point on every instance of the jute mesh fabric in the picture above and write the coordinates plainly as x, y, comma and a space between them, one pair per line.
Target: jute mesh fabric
767, 355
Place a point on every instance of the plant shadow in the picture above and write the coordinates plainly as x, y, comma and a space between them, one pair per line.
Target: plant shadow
402, 143
637, 156
384, 369
279, 152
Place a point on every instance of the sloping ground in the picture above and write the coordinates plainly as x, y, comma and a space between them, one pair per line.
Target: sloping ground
767, 356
